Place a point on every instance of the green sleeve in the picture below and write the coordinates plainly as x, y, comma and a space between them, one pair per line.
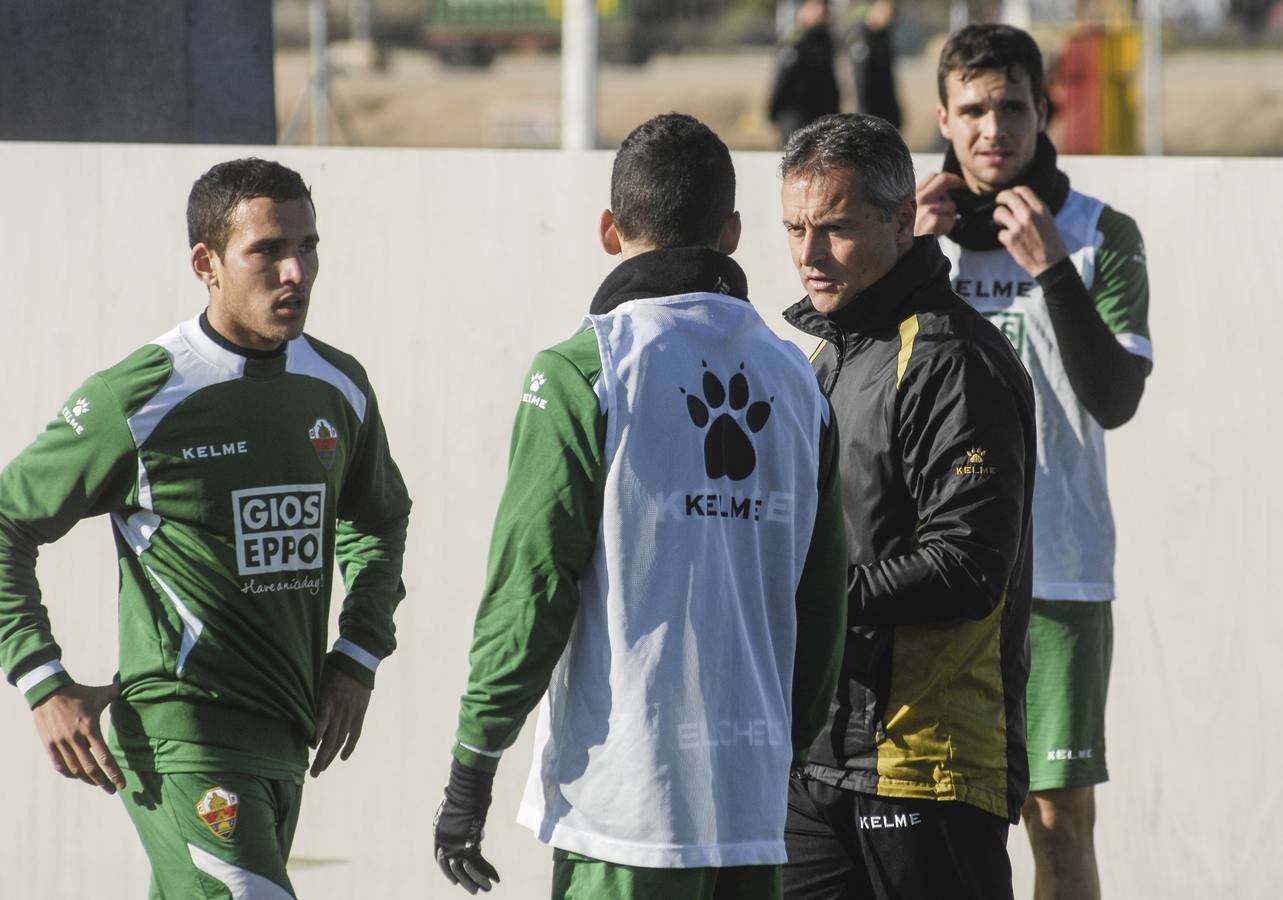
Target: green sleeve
83, 464
1120, 288
544, 536
821, 604
373, 512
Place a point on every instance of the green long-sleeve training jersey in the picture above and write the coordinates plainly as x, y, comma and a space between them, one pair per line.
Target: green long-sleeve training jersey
233, 481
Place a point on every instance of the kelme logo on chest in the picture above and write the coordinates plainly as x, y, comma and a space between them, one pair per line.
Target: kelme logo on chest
279, 528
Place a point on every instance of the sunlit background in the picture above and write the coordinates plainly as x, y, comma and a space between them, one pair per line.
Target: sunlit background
1187, 77
444, 271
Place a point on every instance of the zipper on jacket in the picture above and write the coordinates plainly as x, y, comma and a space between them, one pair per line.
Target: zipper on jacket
838, 341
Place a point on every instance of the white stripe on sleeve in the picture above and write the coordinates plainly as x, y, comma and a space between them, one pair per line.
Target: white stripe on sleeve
352, 651
39, 674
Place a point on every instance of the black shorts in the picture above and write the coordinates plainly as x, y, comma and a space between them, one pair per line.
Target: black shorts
843, 845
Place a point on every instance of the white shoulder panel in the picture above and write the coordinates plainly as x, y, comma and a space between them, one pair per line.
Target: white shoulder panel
302, 359
1077, 220
198, 363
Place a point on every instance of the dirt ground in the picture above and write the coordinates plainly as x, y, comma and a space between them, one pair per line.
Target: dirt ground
1216, 103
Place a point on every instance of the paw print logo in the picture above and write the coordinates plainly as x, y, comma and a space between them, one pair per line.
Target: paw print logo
976, 456
537, 381
81, 407
728, 451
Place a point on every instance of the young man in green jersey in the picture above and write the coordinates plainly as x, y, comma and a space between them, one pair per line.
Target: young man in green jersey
1063, 275
237, 459
667, 569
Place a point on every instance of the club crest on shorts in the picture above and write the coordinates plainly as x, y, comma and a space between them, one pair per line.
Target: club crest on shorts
217, 809
325, 441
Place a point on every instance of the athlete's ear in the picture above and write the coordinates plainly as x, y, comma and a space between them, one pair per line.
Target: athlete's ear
904, 217
609, 234
203, 264
942, 119
729, 238
1042, 114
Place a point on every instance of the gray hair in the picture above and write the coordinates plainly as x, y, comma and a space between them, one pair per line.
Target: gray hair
867, 144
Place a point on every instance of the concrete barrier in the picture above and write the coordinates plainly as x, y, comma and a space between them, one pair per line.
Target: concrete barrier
444, 271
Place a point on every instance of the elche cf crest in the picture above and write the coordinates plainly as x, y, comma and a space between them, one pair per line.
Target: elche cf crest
218, 809
325, 441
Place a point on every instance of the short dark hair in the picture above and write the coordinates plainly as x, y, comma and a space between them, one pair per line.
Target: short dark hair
673, 184
987, 46
216, 195
868, 144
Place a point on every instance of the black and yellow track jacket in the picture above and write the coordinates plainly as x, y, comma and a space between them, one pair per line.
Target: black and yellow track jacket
936, 418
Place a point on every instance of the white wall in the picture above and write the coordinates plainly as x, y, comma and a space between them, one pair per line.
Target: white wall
444, 271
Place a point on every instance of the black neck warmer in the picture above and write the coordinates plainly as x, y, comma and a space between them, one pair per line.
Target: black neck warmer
668, 272
236, 348
975, 229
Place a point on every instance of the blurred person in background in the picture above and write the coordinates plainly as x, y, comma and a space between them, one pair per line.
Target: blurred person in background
1253, 15
666, 569
913, 785
1063, 275
873, 59
805, 86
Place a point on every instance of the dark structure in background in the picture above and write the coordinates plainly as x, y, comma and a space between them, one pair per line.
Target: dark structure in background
191, 71
1252, 15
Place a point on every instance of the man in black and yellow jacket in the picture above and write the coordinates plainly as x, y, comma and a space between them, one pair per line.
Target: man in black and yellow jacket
911, 786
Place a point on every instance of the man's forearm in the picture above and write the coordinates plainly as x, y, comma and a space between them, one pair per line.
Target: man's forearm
371, 565
518, 641
934, 583
28, 653
1107, 379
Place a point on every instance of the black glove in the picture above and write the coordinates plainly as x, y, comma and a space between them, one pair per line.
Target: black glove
459, 827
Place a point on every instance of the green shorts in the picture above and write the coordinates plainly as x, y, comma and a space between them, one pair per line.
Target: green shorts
576, 877
1071, 646
214, 836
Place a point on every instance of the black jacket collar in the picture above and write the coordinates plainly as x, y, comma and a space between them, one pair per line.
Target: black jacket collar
914, 284
975, 229
666, 273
